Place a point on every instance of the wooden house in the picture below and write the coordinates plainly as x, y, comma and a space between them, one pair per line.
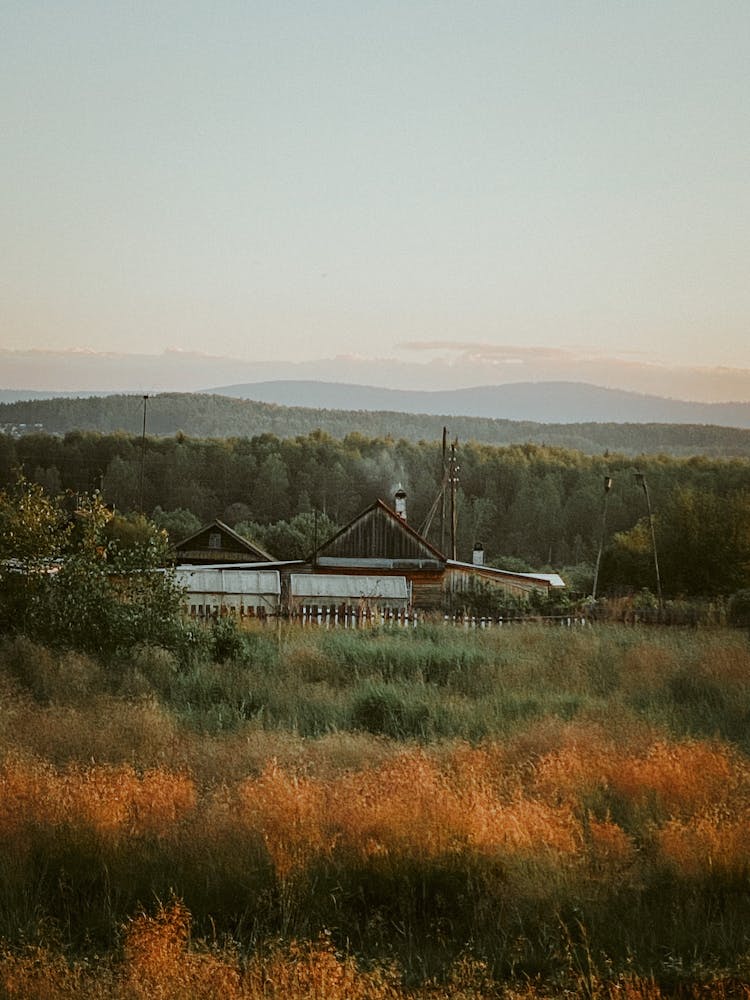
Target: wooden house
377, 561
218, 543
380, 542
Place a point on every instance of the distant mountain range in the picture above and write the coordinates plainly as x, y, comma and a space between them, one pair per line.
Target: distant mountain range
207, 415
541, 402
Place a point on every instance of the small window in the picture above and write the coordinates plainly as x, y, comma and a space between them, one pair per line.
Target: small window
214, 540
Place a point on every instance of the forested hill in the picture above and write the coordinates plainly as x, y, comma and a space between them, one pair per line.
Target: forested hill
202, 415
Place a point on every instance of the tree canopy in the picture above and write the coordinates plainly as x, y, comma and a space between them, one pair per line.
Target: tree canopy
72, 576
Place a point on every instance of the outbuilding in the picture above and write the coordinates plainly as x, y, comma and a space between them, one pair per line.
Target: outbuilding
211, 592
362, 594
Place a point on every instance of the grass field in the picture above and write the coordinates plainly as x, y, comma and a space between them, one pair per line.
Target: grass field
528, 812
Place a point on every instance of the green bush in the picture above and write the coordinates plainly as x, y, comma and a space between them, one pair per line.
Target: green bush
384, 710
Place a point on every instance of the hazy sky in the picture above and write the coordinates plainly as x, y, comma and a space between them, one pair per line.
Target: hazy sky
289, 181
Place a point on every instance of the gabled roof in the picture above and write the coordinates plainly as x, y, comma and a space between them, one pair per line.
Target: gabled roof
238, 542
378, 533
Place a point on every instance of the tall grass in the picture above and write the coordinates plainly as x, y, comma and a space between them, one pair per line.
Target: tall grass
531, 805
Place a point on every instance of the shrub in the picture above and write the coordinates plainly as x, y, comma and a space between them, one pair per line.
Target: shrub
381, 709
227, 642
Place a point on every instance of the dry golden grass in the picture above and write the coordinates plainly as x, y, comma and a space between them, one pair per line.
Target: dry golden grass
112, 802
415, 803
287, 835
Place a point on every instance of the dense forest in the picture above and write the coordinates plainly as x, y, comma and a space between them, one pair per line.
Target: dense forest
531, 506
203, 415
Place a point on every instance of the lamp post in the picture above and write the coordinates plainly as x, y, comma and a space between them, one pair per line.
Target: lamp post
607, 488
641, 481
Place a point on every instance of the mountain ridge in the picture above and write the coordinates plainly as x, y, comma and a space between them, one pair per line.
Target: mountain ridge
559, 401
556, 402
214, 416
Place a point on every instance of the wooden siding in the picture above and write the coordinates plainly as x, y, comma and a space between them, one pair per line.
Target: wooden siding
379, 533
209, 556
232, 547
427, 585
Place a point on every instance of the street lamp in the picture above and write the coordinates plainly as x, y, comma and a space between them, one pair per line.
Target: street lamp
641, 481
607, 488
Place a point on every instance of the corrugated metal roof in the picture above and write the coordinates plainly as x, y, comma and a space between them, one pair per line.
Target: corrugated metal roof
333, 585
228, 581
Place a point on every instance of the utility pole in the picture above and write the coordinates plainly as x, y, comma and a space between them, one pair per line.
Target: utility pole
607, 488
315, 537
442, 480
641, 481
143, 456
453, 482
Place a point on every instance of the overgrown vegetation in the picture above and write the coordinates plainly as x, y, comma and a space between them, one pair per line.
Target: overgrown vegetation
382, 813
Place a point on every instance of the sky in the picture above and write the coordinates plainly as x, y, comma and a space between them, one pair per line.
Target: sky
444, 187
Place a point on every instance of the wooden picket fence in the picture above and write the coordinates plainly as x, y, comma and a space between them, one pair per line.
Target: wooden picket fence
350, 616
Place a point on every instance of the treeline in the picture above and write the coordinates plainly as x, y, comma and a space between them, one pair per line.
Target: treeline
204, 415
531, 506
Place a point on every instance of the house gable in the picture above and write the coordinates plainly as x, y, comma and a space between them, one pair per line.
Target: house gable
218, 543
379, 537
